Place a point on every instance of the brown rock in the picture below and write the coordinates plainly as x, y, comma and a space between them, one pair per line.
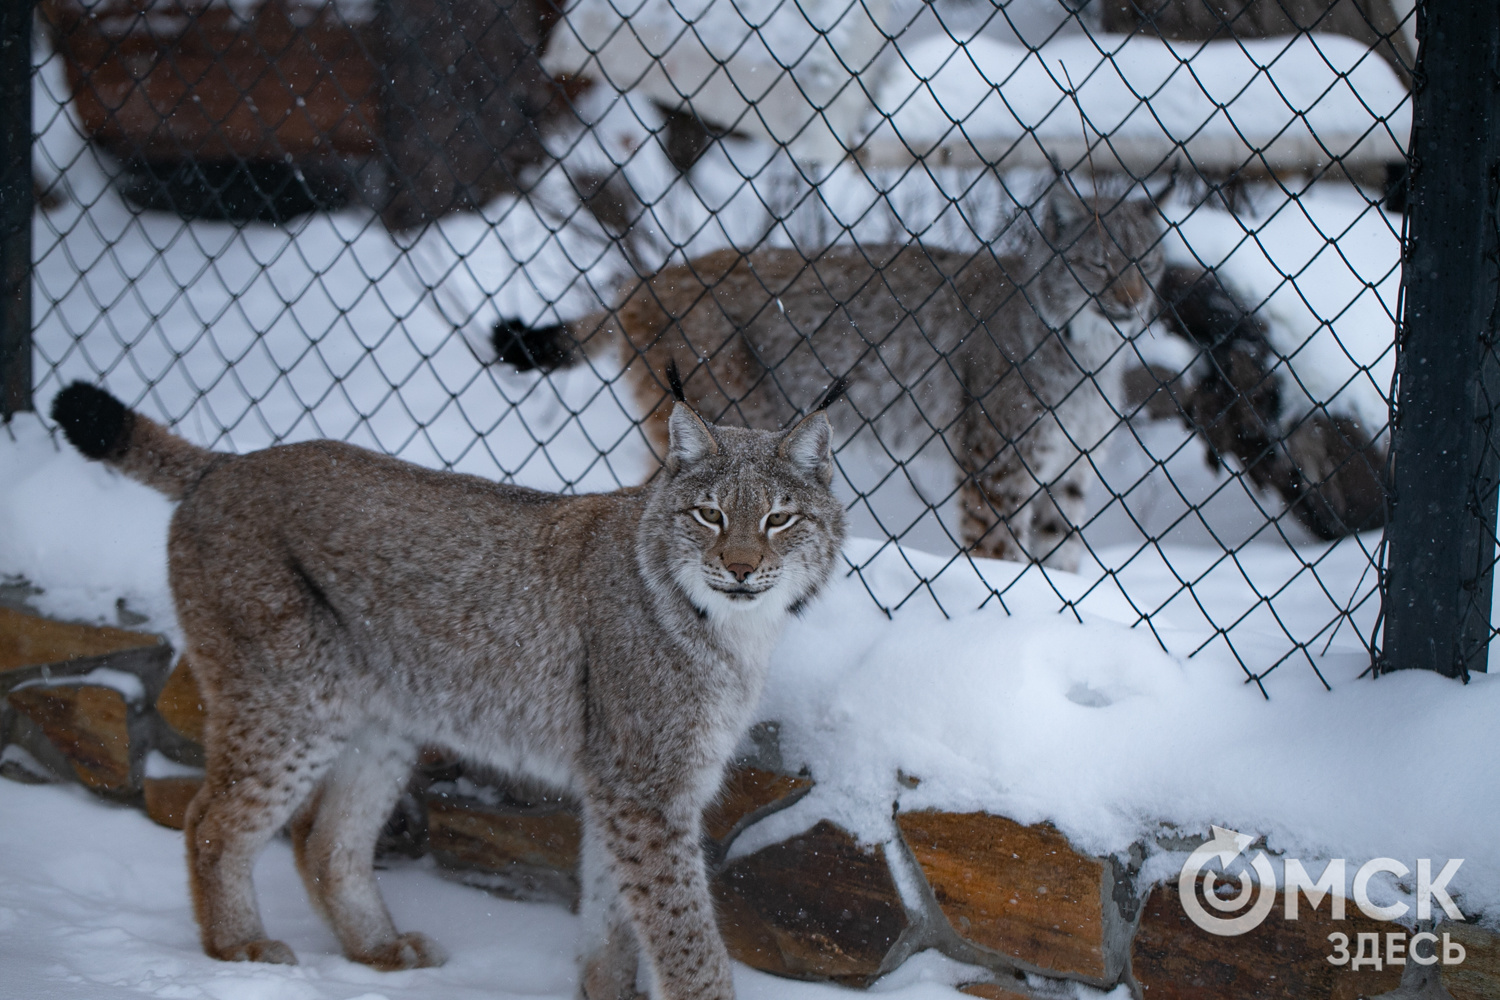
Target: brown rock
1021, 891
1173, 960
522, 853
816, 906
167, 799
1478, 976
493, 838
89, 725
993, 991
180, 704
26, 640
749, 794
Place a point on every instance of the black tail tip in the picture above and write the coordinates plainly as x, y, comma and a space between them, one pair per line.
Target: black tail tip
95, 422
524, 348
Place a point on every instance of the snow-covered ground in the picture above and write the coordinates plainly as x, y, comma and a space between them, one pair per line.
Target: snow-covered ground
94, 906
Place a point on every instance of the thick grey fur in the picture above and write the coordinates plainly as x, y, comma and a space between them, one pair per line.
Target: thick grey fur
342, 609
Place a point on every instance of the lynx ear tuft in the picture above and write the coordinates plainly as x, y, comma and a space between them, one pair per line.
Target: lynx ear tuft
674, 381
809, 446
834, 394
688, 439
1064, 208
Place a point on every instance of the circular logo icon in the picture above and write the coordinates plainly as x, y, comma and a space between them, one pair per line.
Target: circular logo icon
1226, 845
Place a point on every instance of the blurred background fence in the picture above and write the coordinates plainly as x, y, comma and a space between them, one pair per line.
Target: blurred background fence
411, 224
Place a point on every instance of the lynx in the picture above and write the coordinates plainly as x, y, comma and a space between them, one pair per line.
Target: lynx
342, 608
1006, 359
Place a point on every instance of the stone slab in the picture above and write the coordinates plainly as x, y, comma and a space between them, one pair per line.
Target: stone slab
89, 725
1020, 891
518, 853
1280, 960
993, 991
748, 795
816, 906
167, 799
180, 704
27, 640
1478, 976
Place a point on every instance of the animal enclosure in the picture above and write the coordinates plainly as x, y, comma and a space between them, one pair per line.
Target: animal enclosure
1119, 285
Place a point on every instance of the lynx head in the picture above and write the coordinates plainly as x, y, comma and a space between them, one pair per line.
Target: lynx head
743, 520
1105, 253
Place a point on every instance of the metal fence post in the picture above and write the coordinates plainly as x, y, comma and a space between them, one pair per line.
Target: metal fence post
17, 197
1441, 534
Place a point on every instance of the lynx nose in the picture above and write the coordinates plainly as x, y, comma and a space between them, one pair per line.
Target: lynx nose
1129, 288
740, 570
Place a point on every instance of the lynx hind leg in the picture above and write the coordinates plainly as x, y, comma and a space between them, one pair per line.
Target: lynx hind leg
609, 955
261, 767
334, 840
656, 857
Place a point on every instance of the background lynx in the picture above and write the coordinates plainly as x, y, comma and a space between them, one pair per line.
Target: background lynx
1006, 359
341, 608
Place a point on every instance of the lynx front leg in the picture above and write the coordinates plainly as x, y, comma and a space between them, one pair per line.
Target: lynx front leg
609, 959
1053, 516
986, 527
1009, 509
994, 488
657, 862
335, 849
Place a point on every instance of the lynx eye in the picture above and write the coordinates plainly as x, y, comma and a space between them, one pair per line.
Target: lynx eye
709, 515
780, 519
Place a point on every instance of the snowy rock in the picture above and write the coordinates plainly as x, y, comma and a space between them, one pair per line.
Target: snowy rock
817, 906
1025, 893
993, 991
90, 726
180, 704
518, 852
19, 764
1478, 977
749, 794
28, 640
167, 798
1279, 960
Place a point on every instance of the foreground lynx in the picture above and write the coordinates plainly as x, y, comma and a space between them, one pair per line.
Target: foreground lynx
1007, 359
341, 608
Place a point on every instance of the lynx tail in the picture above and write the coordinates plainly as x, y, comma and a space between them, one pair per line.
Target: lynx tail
105, 429
526, 348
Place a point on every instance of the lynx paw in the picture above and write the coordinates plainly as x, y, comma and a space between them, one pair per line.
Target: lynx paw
273, 952
409, 951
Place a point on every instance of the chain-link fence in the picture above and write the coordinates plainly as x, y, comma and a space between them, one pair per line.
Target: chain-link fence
1115, 282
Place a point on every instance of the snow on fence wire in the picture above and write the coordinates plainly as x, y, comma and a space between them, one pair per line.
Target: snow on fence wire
264, 221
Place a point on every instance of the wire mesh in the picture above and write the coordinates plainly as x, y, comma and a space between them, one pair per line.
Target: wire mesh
441, 229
